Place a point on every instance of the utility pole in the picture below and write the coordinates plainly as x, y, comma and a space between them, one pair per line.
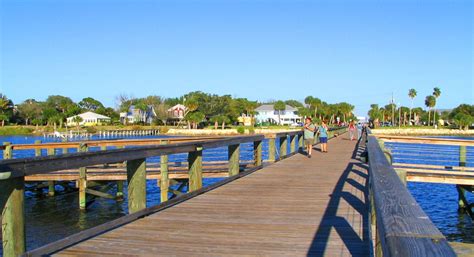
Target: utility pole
393, 111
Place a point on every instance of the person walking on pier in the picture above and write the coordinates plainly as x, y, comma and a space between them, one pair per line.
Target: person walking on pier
323, 136
309, 130
352, 129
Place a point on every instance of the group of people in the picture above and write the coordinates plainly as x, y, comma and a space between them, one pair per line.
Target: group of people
310, 131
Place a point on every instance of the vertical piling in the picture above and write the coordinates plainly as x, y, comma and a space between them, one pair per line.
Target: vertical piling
37, 150
271, 149
13, 217
82, 181
234, 158
293, 144
165, 180
300, 141
51, 189
136, 177
257, 153
195, 169
283, 146
462, 155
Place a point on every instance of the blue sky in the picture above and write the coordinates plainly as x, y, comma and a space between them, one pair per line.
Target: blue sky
354, 51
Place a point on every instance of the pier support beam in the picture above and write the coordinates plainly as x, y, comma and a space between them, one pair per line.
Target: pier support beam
462, 155
51, 189
293, 147
136, 177
271, 149
119, 195
283, 146
82, 183
12, 197
164, 180
300, 141
257, 153
195, 169
234, 158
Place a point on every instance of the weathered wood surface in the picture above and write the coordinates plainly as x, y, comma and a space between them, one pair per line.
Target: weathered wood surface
296, 207
403, 227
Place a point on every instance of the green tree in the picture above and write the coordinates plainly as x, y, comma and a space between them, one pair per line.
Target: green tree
6, 108
195, 118
375, 114
29, 109
463, 120
436, 94
90, 104
279, 106
430, 102
412, 94
223, 119
346, 109
314, 104
77, 119
294, 103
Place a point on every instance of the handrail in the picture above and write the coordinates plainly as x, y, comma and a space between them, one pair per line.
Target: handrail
40, 165
402, 227
426, 140
13, 172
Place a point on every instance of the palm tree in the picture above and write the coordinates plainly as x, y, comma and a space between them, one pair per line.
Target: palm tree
436, 94
346, 109
412, 94
5, 105
279, 106
430, 102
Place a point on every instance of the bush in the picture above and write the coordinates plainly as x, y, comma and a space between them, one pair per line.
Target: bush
136, 127
10, 131
241, 130
251, 130
164, 129
91, 130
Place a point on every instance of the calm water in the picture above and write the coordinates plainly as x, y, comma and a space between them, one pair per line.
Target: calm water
52, 218
439, 201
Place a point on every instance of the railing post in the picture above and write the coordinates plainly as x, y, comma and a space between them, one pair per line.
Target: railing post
37, 150
234, 158
300, 141
195, 169
136, 177
51, 189
293, 144
271, 149
119, 195
462, 155
164, 180
283, 148
82, 181
257, 153
12, 198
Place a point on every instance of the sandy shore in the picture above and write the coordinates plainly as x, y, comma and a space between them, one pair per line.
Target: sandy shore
434, 132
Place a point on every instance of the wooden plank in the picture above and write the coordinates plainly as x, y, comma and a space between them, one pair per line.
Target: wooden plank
234, 158
136, 177
12, 200
267, 213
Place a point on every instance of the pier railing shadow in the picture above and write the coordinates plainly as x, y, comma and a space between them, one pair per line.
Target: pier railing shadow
357, 245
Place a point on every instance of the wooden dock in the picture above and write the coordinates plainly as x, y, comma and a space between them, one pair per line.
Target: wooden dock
298, 206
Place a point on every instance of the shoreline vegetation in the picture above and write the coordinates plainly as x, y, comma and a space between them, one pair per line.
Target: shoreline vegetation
422, 131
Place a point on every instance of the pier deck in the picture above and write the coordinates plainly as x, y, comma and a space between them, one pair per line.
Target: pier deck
296, 207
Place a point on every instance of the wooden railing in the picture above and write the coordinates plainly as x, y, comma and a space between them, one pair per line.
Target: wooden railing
402, 228
13, 172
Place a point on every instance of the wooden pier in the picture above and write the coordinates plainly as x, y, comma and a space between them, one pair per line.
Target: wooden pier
333, 204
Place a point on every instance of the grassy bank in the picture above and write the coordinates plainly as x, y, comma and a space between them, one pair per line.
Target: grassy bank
16, 130
422, 131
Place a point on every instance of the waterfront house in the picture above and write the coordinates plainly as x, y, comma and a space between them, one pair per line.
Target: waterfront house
177, 111
266, 113
136, 115
88, 119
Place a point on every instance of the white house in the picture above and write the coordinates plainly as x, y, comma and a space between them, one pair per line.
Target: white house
88, 119
135, 115
266, 113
